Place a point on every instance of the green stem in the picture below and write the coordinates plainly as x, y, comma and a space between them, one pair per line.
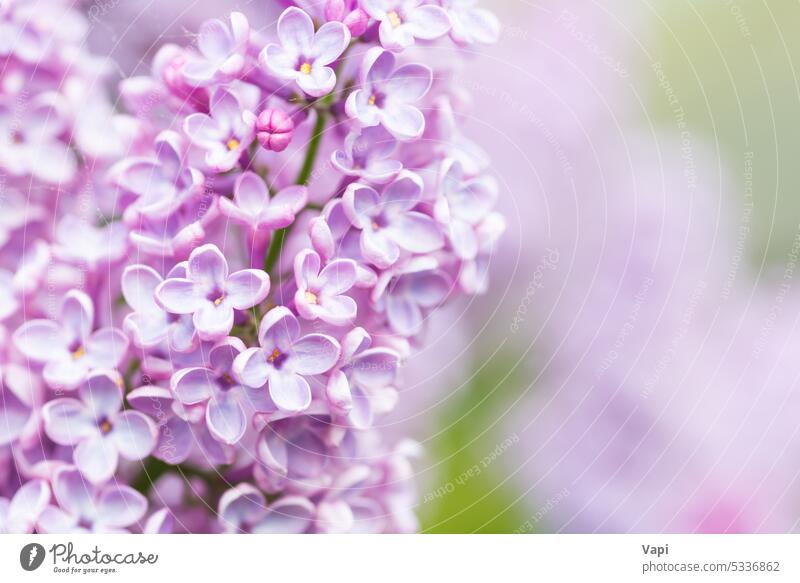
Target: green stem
279, 239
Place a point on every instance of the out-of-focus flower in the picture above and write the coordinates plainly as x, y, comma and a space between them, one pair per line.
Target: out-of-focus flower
83, 507
303, 55
68, 348
20, 514
222, 50
386, 95
367, 155
470, 23
97, 427
403, 21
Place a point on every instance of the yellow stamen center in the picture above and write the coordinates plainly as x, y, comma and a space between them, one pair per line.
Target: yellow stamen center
372, 100
79, 353
227, 378
233, 143
305, 68
218, 301
394, 18
311, 297
105, 427
275, 354
375, 226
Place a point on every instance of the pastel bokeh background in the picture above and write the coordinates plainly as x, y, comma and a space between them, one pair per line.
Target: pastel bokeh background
633, 366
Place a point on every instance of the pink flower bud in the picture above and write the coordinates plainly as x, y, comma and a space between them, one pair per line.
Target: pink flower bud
274, 129
334, 10
356, 22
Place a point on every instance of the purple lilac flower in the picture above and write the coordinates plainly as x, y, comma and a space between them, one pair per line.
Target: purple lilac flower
388, 222
320, 292
363, 380
386, 95
30, 141
80, 242
285, 359
210, 293
464, 205
20, 514
161, 183
222, 51
253, 206
244, 509
17, 212
225, 133
97, 428
83, 507
303, 55
68, 348
367, 155
149, 324
407, 292
403, 21
228, 405
20, 395
470, 23
348, 13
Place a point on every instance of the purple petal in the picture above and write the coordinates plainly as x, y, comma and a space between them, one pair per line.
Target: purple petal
193, 385
416, 232
106, 348
96, 457
120, 506
240, 506
53, 520
251, 194
289, 515
306, 269
40, 340
338, 310
134, 435
213, 321
337, 391
175, 441
360, 203
207, 266
139, 284
428, 22
153, 401
379, 65
375, 367
294, 197
278, 329
28, 503
429, 288
289, 391
320, 81
338, 276
378, 248
402, 194
226, 419
404, 316
68, 421
179, 296
246, 288
77, 316
73, 493
160, 522
405, 122
214, 40
330, 42
296, 31
102, 394
315, 354
251, 369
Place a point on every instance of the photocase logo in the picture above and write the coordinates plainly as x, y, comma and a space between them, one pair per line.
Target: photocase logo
31, 556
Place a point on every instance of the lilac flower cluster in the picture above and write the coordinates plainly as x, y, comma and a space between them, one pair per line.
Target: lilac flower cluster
208, 300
